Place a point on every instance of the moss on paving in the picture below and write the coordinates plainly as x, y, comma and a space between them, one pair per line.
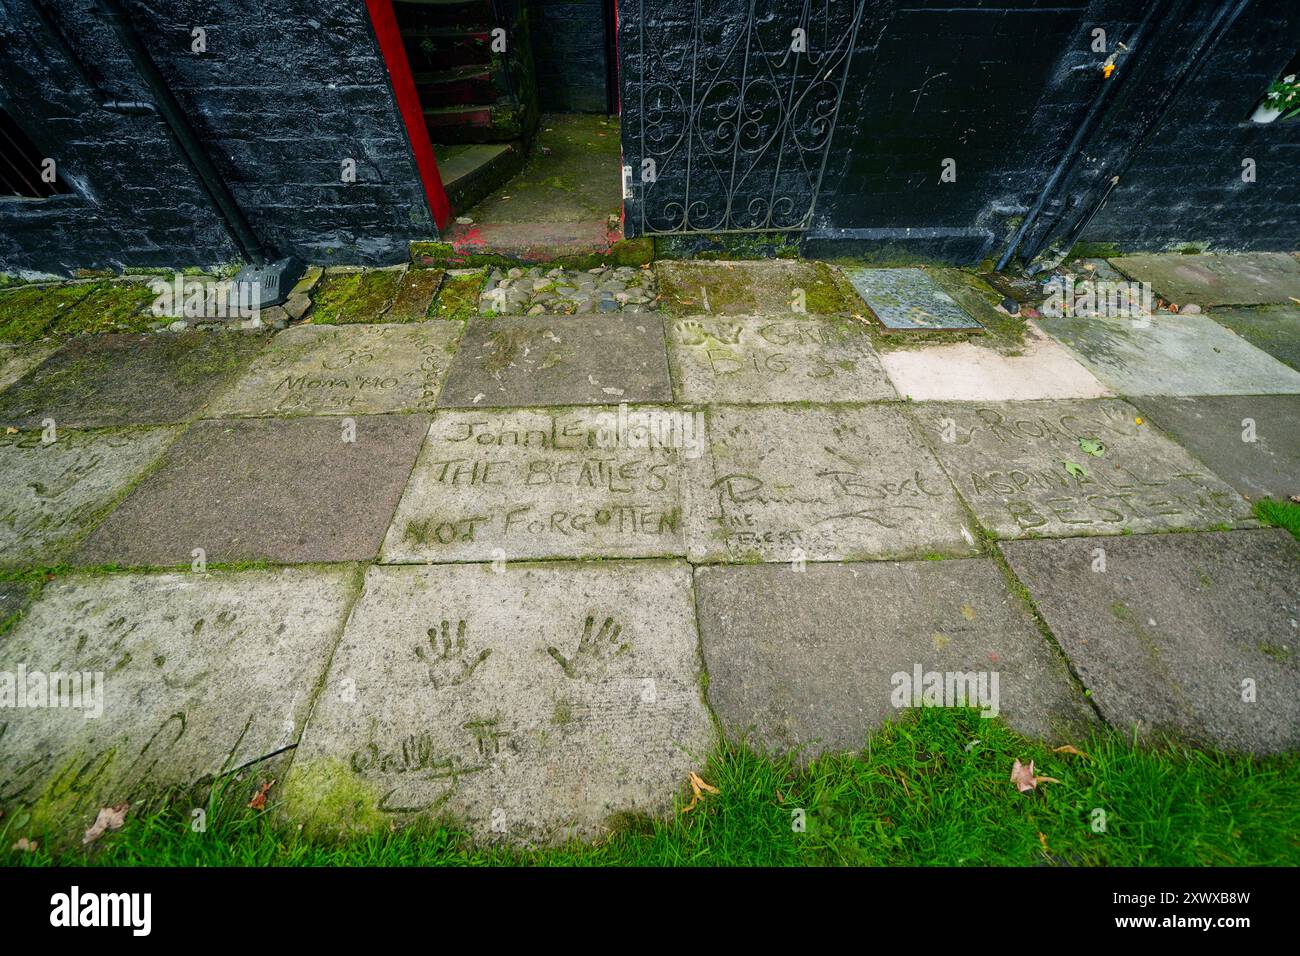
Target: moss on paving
458, 297
345, 297
931, 788
28, 312
414, 295
110, 307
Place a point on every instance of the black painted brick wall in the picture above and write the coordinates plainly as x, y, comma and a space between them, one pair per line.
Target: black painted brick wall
1185, 187
1001, 87
569, 53
283, 94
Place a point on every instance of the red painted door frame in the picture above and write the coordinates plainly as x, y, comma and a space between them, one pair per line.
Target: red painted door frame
384, 21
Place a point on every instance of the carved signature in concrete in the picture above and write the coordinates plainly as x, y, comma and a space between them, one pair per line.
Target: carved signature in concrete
594, 652
446, 659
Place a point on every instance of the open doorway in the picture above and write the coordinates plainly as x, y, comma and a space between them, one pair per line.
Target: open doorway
519, 98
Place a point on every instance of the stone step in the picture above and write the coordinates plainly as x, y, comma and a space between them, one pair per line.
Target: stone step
471, 171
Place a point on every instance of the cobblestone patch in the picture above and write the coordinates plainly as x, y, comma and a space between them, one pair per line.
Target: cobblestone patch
538, 290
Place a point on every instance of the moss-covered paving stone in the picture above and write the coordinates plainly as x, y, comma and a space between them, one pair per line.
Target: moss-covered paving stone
1251, 441
354, 295
345, 370
415, 293
527, 361
783, 483
458, 298
129, 379
265, 489
50, 493
1274, 329
771, 359
1255, 278
1189, 635
1171, 355
817, 660
179, 678
1063, 468
788, 287
589, 482
29, 312
110, 307
530, 703
17, 360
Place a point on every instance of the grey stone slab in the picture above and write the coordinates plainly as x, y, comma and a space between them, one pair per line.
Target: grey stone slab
1251, 441
200, 674
530, 704
1172, 355
784, 287
130, 379
1009, 461
909, 299
17, 361
345, 370
265, 489
1254, 278
824, 483
816, 660
1273, 328
539, 483
769, 359
13, 597
555, 360
1194, 635
51, 494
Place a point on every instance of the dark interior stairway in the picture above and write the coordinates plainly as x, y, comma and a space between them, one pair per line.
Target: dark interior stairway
479, 105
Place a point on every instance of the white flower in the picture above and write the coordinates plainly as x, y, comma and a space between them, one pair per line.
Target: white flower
1289, 79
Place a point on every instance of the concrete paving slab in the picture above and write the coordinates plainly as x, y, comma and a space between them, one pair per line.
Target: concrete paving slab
51, 494
1251, 441
1190, 634
1172, 355
589, 482
815, 661
13, 598
909, 299
825, 483
528, 705
555, 360
1273, 328
969, 372
17, 360
1021, 468
415, 292
1254, 278
181, 677
348, 295
130, 379
770, 359
785, 287
265, 489
345, 370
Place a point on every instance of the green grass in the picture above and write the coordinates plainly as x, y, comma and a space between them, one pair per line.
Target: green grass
917, 796
1280, 514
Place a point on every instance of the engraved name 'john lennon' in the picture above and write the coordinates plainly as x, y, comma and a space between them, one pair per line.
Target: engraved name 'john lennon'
1076, 466
540, 484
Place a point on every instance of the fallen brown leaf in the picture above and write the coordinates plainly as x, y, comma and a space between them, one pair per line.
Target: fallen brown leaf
1023, 777
1069, 749
25, 845
1042, 838
259, 799
700, 787
109, 818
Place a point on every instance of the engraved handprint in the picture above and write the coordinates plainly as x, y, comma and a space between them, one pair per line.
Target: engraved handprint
445, 659
691, 332
594, 652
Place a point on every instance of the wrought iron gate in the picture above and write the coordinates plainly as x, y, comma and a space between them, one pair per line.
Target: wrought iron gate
735, 107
